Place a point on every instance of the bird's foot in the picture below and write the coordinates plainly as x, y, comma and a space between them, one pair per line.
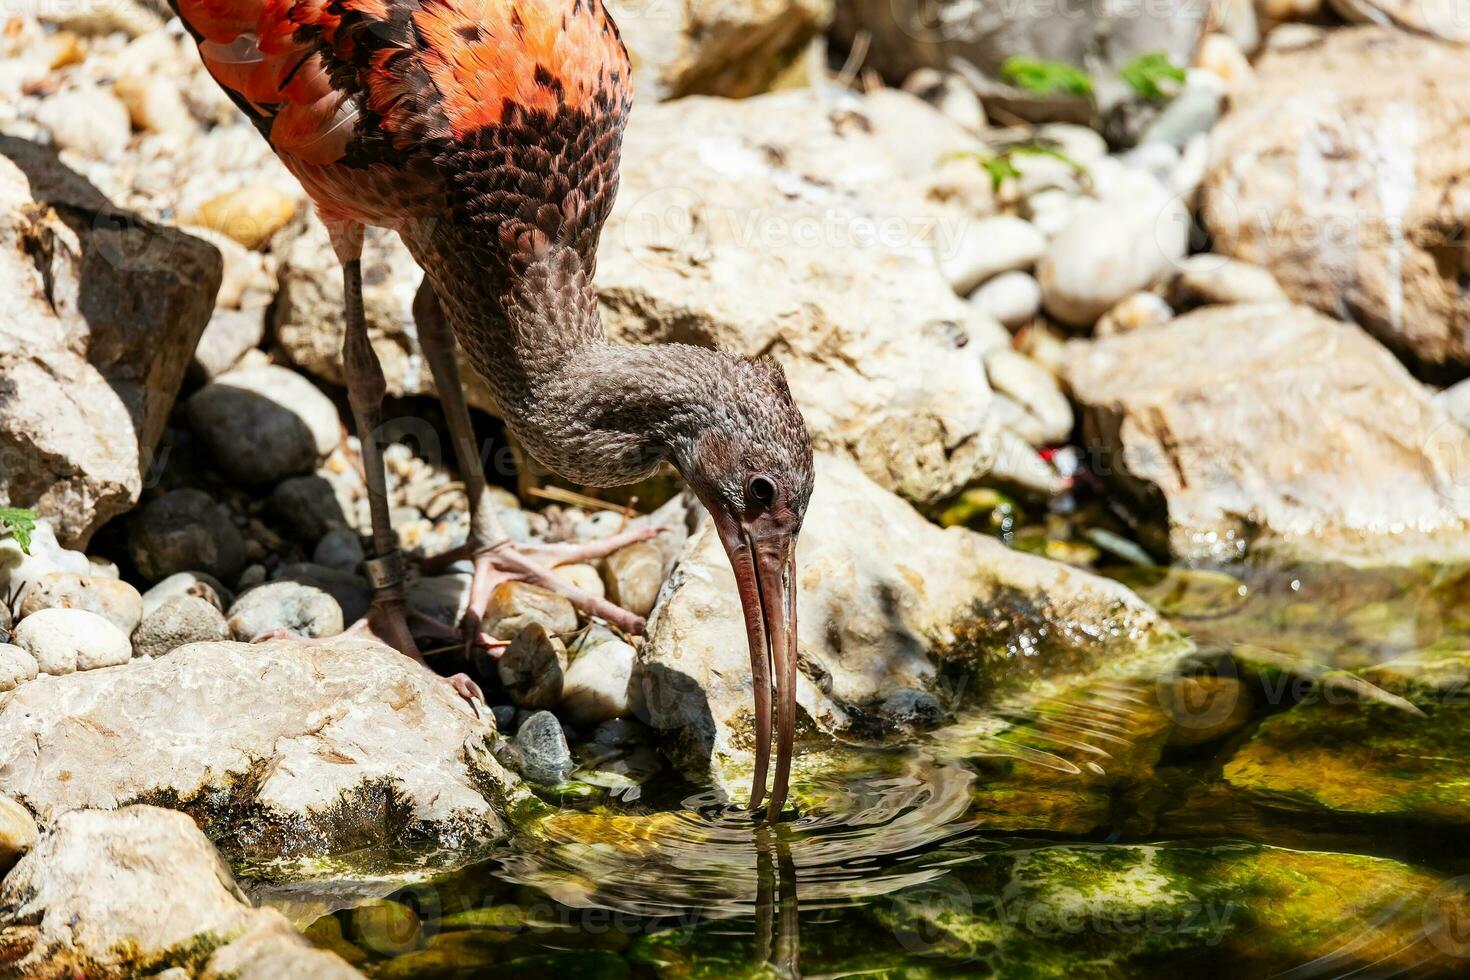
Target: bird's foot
535, 563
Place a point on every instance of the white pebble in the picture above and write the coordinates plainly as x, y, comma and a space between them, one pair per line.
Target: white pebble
67, 640
987, 248
1011, 297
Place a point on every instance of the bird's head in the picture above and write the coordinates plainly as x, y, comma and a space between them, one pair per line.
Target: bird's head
751, 465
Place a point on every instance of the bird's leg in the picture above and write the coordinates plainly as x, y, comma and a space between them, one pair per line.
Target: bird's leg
496, 559
365, 390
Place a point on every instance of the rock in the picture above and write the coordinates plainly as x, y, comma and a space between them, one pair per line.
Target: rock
884, 360
1207, 279
1191, 113
545, 757
308, 313
515, 605
955, 35
340, 548
155, 104
353, 593
264, 424
584, 577
18, 833
229, 334
272, 950
292, 606
20, 570
16, 667
1222, 57
179, 621
1340, 171
347, 745
1011, 297
598, 685
532, 668
884, 598
987, 248
67, 640
206, 587
1443, 19
1140, 311
311, 506
1111, 248
709, 48
90, 377
250, 215
117, 893
633, 575
116, 601
91, 123
1033, 388
182, 531
1273, 429
97, 17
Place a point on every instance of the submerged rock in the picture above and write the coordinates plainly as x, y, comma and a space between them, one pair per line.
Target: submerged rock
886, 600
1341, 171
1310, 441
545, 757
134, 891
344, 745
89, 370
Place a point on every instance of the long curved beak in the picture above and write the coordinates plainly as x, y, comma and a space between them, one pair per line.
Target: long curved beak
765, 574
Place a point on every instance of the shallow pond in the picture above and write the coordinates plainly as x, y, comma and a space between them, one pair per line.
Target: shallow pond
1288, 800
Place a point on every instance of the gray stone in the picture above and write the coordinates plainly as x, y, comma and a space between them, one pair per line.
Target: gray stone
290, 606
117, 892
114, 600
545, 757
311, 506
339, 548
183, 531
1192, 112
1275, 431
90, 375
263, 424
67, 640
532, 668
346, 744
353, 592
181, 620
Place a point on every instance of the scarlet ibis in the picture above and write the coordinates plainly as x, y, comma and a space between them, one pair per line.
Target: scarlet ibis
487, 134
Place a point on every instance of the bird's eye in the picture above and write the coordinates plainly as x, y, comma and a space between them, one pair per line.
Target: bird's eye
762, 490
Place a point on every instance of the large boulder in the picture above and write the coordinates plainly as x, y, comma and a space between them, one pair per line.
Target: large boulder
886, 602
801, 228
1272, 428
136, 891
104, 311
1343, 172
714, 47
276, 748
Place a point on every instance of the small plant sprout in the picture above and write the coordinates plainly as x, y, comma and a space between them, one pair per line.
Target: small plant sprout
1002, 166
18, 523
1046, 77
1153, 76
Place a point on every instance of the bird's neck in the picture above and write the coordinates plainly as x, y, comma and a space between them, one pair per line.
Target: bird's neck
594, 412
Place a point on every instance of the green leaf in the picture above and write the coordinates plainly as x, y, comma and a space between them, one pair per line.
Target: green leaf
18, 523
1000, 170
1042, 150
1147, 73
1046, 77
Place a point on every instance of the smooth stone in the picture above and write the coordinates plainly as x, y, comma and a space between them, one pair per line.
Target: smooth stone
178, 621
1193, 111
1137, 312
505, 718
1222, 57
441, 597
620, 732
583, 577
263, 424
598, 525
598, 685
987, 248
339, 548
515, 605
182, 531
546, 759
16, 667
1049, 211
353, 592
18, 570
18, 833
1082, 144
155, 104
384, 927
911, 711
91, 122
116, 601
250, 214
1110, 249
532, 668
301, 609
1033, 388
1011, 297
1205, 279
229, 334
68, 640
200, 584
633, 575
311, 506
